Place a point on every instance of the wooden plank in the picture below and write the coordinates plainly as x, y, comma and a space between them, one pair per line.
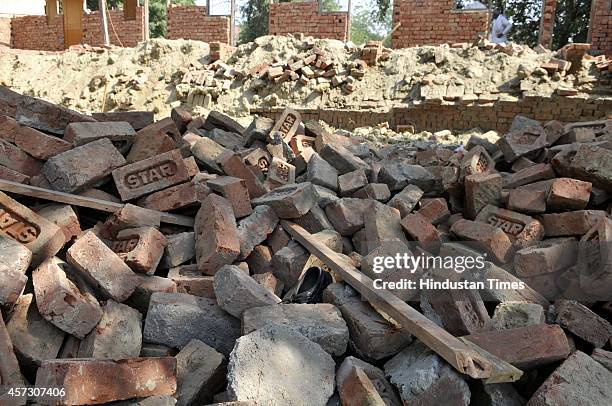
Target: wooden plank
465, 359
83, 201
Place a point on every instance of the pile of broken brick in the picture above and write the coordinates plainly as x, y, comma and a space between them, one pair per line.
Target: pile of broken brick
139, 306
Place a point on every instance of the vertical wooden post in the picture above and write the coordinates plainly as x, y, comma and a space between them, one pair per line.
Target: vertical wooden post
348, 21
103, 18
233, 23
146, 20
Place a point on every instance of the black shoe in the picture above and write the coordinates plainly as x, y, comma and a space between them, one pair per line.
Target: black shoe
310, 287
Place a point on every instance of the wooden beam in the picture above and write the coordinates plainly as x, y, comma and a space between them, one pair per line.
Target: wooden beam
104, 20
83, 201
146, 20
465, 359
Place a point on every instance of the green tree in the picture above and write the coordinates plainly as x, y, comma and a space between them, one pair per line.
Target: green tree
255, 20
93, 4
365, 25
571, 22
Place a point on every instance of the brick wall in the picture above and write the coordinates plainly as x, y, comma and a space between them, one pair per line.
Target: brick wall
33, 32
191, 22
547, 23
460, 117
292, 18
434, 22
5, 31
128, 33
600, 27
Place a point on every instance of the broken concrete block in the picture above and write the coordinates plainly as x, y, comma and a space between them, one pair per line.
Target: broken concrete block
235, 191
236, 291
289, 201
421, 376
258, 370
350, 182
532, 346
200, 373
486, 237
82, 167
101, 267
34, 338
320, 323
216, 119
14, 262
497, 394
509, 315
190, 280
599, 355
150, 175
43, 238
63, 216
289, 262
382, 224
320, 172
481, 190
60, 301
117, 336
140, 248
568, 194
406, 200
254, 229
179, 249
174, 319
371, 335
216, 234
578, 380
582, 322
88, 381
399, 173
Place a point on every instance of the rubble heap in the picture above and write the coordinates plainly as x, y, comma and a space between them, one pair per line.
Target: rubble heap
175, 294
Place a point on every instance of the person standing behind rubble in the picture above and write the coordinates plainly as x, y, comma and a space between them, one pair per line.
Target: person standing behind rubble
500, 28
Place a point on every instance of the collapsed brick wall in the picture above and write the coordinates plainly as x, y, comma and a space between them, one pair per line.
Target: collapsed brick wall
293, 18
192, 22
126, 33
600, 26
5, 31
460, 117
33, 32
435, 22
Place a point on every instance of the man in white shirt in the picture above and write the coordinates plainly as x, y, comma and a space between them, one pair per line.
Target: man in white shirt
500, 28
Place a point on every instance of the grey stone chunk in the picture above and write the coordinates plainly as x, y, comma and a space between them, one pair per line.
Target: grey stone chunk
399, 173
174, 319
289, 201
259, 129
321, 323
517, 314
422, 377
236, 291
603, 357
320, 172
580, 380
376, 191
206, 151
288, 263
216, 119
180, 249
382, 224
406, 200
117, 336
376, 376
278, 366
255, 228
146, 285
342, 159
34, 338
497, 394
315, 220
324, 196
200, 373
584, 323
82, 166
347, 214
371, 335
521, 123
351, 182
226, 139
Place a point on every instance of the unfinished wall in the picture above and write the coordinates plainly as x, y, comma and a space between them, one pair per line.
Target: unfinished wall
547, 23
5, 32
291, 18
600, 26
33, 32
457, 116
191, 22
434, 22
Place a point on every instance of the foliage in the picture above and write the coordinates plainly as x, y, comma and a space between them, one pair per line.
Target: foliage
365, 25
572, 22
255, 20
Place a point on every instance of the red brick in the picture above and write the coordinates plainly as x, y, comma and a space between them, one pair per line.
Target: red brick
150, 175
235, 191
176, 197
568, 194
287, 124
137, 119
101, 267
487, 237
529, 175
40, 145
16, 159
522, 229
190, 280
10, 375
140, 248
527, 201
88, 381
63, 216
435, 210
233, 165
13, 176
151, 141
480, 190
582, 322
420, 229
547, 256
570, 223
8, 128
